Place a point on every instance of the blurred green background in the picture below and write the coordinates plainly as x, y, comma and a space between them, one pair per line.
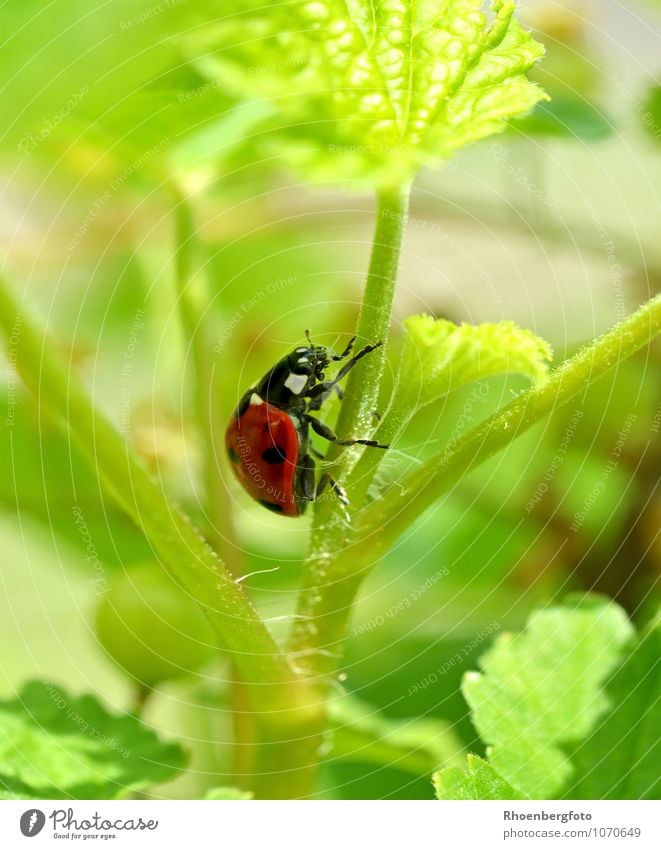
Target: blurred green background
555, 225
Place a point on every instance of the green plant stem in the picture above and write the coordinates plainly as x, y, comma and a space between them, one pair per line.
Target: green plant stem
361, 393
340, 571
322, 588
360, 400
273, 683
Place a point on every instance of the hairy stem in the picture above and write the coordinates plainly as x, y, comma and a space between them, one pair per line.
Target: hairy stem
320, 591
288, 765
361, 393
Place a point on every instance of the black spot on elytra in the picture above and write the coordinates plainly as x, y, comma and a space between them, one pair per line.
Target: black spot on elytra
234, 457
272, 506
275, 454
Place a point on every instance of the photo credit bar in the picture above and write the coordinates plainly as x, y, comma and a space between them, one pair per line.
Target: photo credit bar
289, 825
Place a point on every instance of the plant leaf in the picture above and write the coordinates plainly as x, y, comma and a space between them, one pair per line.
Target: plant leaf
439, 356
481, 781
559, 721
54, 746
371, 88
541, 692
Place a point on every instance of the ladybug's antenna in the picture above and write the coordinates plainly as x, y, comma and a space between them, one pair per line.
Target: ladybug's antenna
307, 336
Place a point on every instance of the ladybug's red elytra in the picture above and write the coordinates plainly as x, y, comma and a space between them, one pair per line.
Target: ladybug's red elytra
268, 436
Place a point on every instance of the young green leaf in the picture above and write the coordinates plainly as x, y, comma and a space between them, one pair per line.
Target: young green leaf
372, 90
559, 725
439, 356
555, 722
541, 691
480, 781
54, 745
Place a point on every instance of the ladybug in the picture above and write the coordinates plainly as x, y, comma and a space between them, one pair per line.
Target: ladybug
268, 436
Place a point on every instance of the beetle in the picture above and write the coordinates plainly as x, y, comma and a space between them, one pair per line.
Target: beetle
268, 436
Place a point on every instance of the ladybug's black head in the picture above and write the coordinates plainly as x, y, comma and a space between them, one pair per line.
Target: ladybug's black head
312, 360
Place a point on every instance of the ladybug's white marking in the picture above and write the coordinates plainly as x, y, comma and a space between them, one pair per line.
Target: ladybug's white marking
301, 350
255, 399
303, 360
296, 383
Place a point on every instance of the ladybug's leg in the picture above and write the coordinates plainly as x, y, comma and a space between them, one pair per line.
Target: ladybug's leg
321, 389
346, 368
346, 351
326, 480
324, 431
